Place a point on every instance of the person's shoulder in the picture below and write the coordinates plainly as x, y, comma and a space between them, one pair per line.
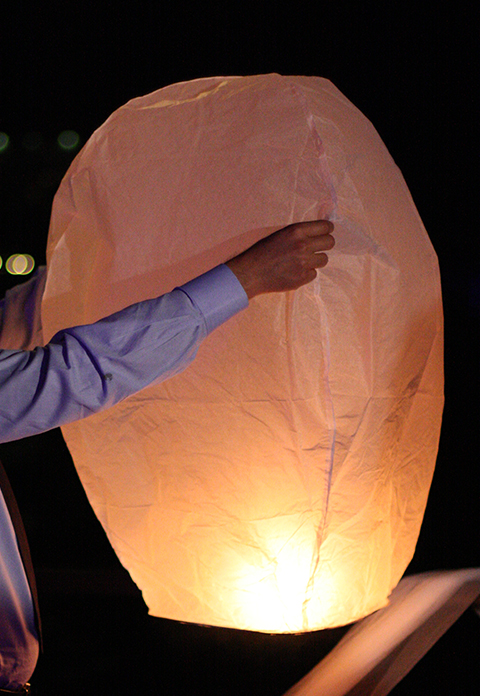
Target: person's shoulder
20, 315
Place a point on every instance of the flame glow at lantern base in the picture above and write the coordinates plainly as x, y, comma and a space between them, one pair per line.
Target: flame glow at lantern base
278, 598
277, 583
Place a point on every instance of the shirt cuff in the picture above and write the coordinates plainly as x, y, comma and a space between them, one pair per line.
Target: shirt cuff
217, 294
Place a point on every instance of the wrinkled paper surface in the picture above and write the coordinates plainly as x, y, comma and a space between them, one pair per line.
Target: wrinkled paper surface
279, 483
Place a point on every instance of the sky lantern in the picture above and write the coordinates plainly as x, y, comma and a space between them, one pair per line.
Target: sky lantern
279, 483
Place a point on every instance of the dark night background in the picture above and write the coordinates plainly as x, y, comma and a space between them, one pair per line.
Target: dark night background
412, 68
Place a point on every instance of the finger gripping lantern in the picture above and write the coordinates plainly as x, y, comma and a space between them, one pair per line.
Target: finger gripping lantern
279, 483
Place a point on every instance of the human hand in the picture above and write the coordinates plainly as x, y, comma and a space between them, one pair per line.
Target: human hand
285, 260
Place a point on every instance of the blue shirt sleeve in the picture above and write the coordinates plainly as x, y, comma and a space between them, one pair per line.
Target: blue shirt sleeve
86, 369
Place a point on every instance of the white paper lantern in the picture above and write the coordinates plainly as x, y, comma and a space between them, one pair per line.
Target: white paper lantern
280, 482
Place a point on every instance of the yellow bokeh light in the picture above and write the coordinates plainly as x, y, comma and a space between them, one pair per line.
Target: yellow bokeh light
20, 264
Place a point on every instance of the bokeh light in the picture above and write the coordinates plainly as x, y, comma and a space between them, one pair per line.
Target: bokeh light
1, 262
4, 141
20, 264
68, 140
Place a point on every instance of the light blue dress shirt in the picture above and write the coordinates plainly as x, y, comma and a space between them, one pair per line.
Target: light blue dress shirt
81, 371
87, 369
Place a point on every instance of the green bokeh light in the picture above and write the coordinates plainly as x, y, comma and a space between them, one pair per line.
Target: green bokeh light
68, 140
4, 141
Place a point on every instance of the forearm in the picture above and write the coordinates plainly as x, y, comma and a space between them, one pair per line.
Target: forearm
87, 369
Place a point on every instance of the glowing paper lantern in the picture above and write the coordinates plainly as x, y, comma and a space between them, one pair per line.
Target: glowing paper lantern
279, 483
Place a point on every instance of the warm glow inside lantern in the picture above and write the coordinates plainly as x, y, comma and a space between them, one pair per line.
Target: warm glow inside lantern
279, 483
